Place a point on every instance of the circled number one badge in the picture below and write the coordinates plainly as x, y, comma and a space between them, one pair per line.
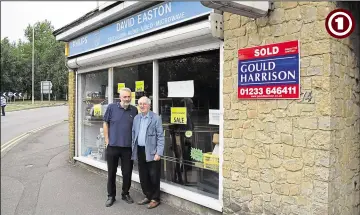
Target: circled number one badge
340, 23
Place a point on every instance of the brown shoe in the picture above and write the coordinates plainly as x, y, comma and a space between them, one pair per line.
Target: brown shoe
144, 201
153, 204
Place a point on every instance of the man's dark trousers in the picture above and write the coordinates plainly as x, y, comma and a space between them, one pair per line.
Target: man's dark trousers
113, 153
3, 110
149, 173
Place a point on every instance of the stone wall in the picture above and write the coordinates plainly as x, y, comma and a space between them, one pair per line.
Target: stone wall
344, 188
278, 154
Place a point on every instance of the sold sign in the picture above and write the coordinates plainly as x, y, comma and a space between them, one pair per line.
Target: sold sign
340, 23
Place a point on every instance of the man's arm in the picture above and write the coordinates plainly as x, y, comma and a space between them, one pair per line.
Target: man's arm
159, 137
106, 119
106, 133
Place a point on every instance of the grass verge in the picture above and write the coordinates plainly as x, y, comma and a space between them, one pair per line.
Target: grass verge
23, 105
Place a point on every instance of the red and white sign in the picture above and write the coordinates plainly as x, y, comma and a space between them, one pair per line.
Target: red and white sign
269, 72
340, 23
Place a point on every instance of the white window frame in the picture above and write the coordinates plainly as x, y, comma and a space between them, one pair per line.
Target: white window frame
76, 113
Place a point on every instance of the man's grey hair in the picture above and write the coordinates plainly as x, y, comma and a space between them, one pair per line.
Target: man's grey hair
125, 89
148, 101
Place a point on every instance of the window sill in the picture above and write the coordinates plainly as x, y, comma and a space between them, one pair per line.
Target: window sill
197, 198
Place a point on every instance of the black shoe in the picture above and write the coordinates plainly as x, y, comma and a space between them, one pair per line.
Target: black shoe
110, 201
127, 199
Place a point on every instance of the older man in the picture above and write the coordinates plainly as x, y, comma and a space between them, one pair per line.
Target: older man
147, 147
118, 121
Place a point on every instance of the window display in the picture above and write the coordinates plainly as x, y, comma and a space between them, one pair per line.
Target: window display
139, 78
189, 94
94, 88
189, 100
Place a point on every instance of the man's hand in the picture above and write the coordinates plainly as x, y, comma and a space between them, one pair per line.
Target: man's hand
157, 157
106, 142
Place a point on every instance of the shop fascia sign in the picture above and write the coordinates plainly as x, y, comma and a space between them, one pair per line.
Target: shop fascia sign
252, 9
152, 19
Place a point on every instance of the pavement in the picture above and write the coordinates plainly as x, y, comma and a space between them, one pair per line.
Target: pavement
37, 179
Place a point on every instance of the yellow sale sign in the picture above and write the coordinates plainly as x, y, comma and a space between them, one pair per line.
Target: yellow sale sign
97, 110
139, 86
120, 86
178, 115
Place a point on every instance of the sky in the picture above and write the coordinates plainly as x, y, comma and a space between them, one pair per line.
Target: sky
17, 15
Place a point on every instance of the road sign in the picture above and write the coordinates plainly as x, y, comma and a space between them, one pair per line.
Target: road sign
4, 94
340, 23
10, 94
20, 94
46, 87
269, 72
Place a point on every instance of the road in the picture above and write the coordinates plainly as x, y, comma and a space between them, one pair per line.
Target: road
18, 122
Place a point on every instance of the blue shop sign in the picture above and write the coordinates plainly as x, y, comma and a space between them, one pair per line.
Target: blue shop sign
152, 19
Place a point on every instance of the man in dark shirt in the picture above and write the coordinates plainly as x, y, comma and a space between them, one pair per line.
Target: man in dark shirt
118, 120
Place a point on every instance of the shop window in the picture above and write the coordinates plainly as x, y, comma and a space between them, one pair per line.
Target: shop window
188, 103
139, 79
94, 103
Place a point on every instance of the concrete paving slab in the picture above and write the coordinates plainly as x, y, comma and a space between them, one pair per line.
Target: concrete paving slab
11, 192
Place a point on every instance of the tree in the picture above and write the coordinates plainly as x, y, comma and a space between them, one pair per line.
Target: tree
49, 59
7, 66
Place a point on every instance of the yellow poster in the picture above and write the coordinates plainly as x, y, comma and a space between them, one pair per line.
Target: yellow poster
138, 108
120, 86
133, 98
139, 86
97, 110
178, 115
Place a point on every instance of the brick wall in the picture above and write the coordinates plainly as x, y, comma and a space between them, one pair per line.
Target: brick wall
284, 156
71, 102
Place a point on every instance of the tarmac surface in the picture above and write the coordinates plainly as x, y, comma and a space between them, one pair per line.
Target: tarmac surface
37, 179
16, 123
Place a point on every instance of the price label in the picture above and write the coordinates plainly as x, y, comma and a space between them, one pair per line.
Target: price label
188, 134
120, 86
139, 86
196, 154
97, 110
178, 115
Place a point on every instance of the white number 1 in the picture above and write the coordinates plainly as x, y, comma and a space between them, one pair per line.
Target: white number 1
340, 23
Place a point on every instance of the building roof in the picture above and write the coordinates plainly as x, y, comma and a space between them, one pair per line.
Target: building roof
84, 18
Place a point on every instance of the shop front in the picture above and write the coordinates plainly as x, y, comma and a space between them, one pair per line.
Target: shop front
170, 52
260, 104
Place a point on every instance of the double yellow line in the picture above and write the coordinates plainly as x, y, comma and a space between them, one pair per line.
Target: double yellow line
15, 140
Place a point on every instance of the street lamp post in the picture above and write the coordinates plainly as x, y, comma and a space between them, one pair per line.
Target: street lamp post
33, 39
